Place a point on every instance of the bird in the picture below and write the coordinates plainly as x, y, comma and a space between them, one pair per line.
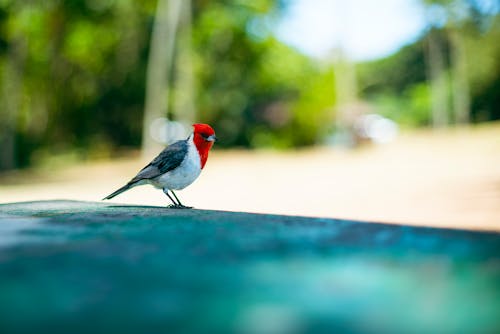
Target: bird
177, 166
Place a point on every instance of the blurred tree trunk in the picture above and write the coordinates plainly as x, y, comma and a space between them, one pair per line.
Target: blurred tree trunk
160, 60
345, 89
128, 48
460, 83
456, 13
184, 108
438, 82
11, 102
59, 73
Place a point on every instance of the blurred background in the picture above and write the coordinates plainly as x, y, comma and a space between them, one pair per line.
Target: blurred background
383, 111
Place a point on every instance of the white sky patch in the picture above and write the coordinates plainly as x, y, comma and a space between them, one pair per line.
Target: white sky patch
364, 29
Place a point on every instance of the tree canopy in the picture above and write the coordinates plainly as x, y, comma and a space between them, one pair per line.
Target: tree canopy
73, 76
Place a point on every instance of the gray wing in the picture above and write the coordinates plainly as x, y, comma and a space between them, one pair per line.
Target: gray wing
170, 158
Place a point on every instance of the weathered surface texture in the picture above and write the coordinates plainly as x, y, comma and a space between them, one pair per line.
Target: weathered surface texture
93, 267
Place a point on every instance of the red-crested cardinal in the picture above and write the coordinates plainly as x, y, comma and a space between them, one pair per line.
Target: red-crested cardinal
177, 166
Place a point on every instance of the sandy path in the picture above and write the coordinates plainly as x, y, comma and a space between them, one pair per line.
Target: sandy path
448, 179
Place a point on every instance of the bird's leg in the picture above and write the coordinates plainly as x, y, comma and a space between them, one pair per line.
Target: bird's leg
175, 205
180, 204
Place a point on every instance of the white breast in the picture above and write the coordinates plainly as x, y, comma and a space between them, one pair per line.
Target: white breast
185, 174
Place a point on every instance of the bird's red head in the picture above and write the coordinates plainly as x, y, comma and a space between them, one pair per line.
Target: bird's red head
203, 138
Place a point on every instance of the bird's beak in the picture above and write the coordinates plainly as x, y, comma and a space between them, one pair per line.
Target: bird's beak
211, 138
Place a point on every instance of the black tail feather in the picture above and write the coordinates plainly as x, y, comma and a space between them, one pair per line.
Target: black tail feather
119, 191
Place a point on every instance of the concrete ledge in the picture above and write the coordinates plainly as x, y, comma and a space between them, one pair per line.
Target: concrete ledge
90, 267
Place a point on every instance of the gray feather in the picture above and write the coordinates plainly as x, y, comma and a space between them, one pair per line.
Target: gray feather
119, 191
170, 158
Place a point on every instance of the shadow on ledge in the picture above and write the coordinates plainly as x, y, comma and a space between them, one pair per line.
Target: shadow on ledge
100, 267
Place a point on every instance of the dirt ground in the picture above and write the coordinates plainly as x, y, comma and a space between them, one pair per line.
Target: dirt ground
449, 178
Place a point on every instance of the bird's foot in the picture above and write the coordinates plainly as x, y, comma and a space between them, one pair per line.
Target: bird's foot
179, 206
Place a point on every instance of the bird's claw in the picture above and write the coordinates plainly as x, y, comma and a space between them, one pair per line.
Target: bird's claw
179, 206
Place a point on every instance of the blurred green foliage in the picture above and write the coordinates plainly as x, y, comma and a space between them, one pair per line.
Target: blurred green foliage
73, 73
397, 85
253, 88
77, 69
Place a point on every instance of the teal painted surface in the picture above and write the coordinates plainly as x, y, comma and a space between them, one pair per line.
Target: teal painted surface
93, 267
